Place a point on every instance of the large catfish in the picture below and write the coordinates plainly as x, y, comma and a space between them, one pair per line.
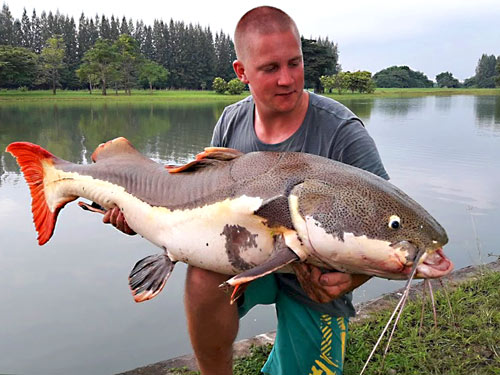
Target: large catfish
242, 214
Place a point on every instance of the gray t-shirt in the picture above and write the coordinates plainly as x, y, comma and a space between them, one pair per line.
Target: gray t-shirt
330, 130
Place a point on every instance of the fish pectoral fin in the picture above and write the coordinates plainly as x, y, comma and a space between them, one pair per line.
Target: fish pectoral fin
94, 207
149, 275
280, 257
276, 212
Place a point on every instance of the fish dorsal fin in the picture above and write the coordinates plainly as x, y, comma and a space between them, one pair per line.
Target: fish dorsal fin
112, 148
209, 156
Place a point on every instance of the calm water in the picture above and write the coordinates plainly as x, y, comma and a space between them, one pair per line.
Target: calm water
66, 306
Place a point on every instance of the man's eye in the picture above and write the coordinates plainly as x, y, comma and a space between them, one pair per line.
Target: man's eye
270, 68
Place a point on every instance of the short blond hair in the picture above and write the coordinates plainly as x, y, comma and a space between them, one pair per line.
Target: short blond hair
263, 20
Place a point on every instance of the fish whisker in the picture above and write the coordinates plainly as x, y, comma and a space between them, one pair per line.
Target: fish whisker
434, 313
424, 300
399, 307
443, 287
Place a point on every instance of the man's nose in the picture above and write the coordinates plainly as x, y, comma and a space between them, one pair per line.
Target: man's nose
285, 77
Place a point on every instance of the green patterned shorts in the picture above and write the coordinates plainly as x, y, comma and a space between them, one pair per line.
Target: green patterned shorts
307, 342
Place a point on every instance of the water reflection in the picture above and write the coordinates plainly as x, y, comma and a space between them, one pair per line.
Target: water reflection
72, 132
488, 114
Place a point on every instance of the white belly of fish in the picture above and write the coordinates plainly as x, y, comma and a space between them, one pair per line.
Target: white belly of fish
224, 237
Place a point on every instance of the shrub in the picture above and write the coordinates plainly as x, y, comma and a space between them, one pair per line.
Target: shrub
219, 85
235, 86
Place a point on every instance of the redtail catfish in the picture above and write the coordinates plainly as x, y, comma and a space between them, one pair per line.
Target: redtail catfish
242, 214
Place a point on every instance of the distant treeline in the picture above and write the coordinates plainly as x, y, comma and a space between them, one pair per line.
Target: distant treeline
487, 76
191, 55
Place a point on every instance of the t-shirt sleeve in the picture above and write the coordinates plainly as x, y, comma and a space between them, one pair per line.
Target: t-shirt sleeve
217, 134
354, 146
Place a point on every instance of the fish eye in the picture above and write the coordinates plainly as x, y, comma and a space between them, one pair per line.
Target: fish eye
394, 222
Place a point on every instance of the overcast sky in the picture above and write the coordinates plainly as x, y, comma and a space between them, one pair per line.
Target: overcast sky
430, 36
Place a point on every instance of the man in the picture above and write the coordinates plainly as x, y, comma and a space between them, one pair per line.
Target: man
279, 116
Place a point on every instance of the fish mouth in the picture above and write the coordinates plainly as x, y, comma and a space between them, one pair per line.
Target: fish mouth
434, 265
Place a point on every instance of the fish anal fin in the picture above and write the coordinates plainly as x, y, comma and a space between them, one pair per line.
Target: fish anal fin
280, 257
149, 275
33, 160
276, 211
209, 156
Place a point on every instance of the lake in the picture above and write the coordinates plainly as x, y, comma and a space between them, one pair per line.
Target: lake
66, 306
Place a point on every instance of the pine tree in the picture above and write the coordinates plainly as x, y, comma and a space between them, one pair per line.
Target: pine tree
27, 38
83, 38
114, 28
105, 28
71, 59
17, 34
6, 26
36, 29
124, 27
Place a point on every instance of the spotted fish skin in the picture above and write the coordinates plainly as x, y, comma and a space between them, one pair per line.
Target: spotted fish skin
226, 211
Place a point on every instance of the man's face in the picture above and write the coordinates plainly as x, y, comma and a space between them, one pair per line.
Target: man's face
273, 68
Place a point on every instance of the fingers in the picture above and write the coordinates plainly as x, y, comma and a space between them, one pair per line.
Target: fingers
106, 217
308, 277
116, 218
328, 286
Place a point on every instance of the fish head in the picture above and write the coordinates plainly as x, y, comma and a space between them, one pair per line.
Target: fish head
364, 224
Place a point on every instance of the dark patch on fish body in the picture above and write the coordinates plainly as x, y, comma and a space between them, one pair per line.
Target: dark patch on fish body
276, 211
238, 240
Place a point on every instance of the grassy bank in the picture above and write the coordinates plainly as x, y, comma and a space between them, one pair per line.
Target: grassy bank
210, 96
465, 342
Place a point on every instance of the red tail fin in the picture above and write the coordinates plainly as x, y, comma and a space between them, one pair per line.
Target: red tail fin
30, 157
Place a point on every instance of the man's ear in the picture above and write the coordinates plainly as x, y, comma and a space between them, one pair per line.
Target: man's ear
239, 69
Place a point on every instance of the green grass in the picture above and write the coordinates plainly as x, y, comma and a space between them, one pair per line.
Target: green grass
137, 96
468, 344
409, 93
194, 96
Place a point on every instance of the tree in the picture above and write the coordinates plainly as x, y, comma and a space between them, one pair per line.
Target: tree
497, 79
18, 67
402, 77
327, 83
101, 59
152, 72
485, 71
224, 56
6, 26
52, 57
235, 86
360, 81
88, 73
128, 60
219, 85
340, 81
27, 34
318, 61
446, 79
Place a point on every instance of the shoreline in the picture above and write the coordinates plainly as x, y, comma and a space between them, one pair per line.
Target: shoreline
363, 311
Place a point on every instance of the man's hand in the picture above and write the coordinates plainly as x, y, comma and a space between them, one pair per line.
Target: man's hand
325, 287
115, 217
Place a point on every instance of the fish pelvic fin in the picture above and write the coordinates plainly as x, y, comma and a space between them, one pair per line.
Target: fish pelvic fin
280, 257
34, 162
149, 275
